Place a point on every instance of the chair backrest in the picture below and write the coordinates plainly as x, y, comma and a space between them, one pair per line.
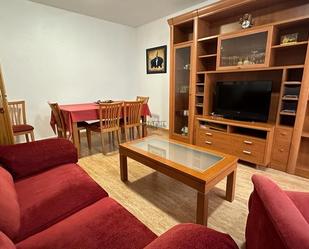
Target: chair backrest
143, 99
110, 114
58, 118
132, 112
17, 110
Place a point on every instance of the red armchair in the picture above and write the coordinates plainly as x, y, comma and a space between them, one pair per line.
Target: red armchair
277, 219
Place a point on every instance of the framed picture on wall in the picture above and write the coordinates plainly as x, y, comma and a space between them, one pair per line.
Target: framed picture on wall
156, 60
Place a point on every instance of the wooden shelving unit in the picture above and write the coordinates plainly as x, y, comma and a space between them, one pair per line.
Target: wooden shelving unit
289, 45
244, 69
296, 83
305, 134
288, 113
222, 51
207, 56
207, 38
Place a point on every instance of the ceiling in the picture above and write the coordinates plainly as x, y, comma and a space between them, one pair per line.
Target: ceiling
128, 12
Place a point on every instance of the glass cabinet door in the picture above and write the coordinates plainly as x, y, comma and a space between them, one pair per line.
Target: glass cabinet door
182, 88
248, 50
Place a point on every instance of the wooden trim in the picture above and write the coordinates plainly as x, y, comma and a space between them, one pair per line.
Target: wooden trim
6, 132
300, 118
192, 93
183, 44
221, 6
234, 70
290, 45
243, 124
172, 83
182, 18
284, 77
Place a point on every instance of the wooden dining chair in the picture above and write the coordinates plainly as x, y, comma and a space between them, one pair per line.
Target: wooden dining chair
60, 123
59, 120
132, 118
143, 99
17, 110
109, 114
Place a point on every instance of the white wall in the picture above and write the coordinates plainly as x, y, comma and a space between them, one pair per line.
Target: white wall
51, 54
156, 86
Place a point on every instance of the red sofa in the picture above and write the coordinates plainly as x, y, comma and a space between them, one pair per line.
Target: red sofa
277, 219
49, 202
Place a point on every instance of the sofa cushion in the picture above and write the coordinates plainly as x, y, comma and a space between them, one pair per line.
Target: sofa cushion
188, 236
301, 201
9, 207
49, 197
104, 224
22, 128
26, 159
5, 242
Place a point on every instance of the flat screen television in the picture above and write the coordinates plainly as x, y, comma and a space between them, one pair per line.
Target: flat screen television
243, 100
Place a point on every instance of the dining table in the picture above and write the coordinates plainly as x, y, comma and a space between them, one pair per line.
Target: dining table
74, 113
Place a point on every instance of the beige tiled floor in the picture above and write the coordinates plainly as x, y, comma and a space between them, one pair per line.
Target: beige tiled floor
161, 202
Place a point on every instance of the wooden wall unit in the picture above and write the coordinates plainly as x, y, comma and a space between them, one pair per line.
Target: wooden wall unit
6, 133
215, 36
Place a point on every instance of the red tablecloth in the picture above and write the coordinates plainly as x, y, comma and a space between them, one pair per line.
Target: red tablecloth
84, 112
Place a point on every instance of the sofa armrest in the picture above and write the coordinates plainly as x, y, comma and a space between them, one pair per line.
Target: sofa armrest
26, 159
5, 242
188, 236
282, 214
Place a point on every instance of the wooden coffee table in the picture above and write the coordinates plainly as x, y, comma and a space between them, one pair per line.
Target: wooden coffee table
194, 166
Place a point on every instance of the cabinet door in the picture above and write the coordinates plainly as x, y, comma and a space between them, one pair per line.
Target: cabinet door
247, 50
6, 133
181, 91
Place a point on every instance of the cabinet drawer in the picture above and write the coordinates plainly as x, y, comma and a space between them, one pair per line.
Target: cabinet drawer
214, 140
283, 135
281, 148
249, 143
280, 155
249, 149
211, 133
250, 155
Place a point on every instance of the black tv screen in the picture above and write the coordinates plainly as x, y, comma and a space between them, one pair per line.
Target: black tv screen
243, 100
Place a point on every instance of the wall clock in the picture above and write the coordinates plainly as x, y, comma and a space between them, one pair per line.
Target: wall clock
246, 21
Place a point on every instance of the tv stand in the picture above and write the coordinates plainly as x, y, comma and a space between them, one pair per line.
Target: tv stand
250, 141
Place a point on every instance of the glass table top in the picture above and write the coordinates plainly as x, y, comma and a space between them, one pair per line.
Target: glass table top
178, 153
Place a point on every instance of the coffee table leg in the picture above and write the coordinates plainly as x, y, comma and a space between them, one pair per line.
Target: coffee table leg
230, 186
75, 137
144, 126
123, 168
202, 208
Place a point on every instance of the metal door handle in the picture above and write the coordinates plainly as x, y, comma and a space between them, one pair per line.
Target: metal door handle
246, 152
248, 142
